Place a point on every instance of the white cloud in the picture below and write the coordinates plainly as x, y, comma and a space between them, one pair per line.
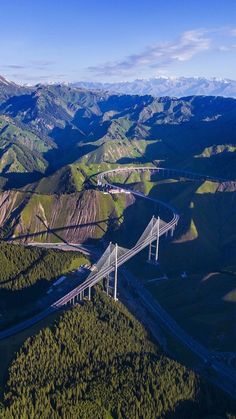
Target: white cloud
160, 55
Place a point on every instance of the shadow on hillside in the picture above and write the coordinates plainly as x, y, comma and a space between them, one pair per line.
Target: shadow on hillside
132, 160
11, 298
180, 143
14, 215
214, 219
54, 231
140, 213
123, 103
205, 238
24, 272
58, 158
222, 165
19, 180
135, 219
22, 304
185, 409
92, 126
210, 403
18, 103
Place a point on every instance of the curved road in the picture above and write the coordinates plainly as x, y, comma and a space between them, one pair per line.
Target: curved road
164, 227
226, 373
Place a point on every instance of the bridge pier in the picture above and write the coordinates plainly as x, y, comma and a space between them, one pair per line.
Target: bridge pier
89, 293
108, 284
116, 273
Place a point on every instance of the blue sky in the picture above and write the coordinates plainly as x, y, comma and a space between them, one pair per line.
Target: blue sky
72, 40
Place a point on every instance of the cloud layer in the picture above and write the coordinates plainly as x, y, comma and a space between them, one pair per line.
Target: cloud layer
153, 60
160, 55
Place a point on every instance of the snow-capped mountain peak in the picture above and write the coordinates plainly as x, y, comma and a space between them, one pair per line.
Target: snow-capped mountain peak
168, 86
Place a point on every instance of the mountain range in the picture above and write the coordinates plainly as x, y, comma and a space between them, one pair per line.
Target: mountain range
54, 138
46, 127
168, 86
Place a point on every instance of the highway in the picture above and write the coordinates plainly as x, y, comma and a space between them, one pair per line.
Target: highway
65, 247
19, 327
162, 171
226, 375
165, 227
149, 235
112, 259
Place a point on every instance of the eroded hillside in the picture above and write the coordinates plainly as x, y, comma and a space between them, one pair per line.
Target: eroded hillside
73, 217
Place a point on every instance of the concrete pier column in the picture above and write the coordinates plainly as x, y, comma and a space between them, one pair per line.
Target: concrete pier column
116, 272
107, 284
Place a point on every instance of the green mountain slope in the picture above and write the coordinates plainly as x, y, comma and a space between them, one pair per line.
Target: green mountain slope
11, 131
117, 373
9, 88
74, 217
21, 152
76, 124
17, 158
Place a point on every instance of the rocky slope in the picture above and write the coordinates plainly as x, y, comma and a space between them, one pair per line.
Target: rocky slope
54, 138
73, 217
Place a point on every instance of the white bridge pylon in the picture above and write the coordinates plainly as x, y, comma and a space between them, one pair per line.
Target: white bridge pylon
113, 254
154, 246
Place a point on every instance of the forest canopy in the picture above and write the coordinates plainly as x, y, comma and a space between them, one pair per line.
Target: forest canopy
97, 362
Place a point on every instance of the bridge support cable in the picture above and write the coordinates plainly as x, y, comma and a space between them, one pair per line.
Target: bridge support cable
104, 261
153, 251
107, 269
149, 230
112, 277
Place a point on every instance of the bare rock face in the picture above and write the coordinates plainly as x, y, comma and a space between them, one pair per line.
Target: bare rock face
51, 218
7, 203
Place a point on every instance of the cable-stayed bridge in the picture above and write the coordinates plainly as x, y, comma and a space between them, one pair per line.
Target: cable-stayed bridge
115, 256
